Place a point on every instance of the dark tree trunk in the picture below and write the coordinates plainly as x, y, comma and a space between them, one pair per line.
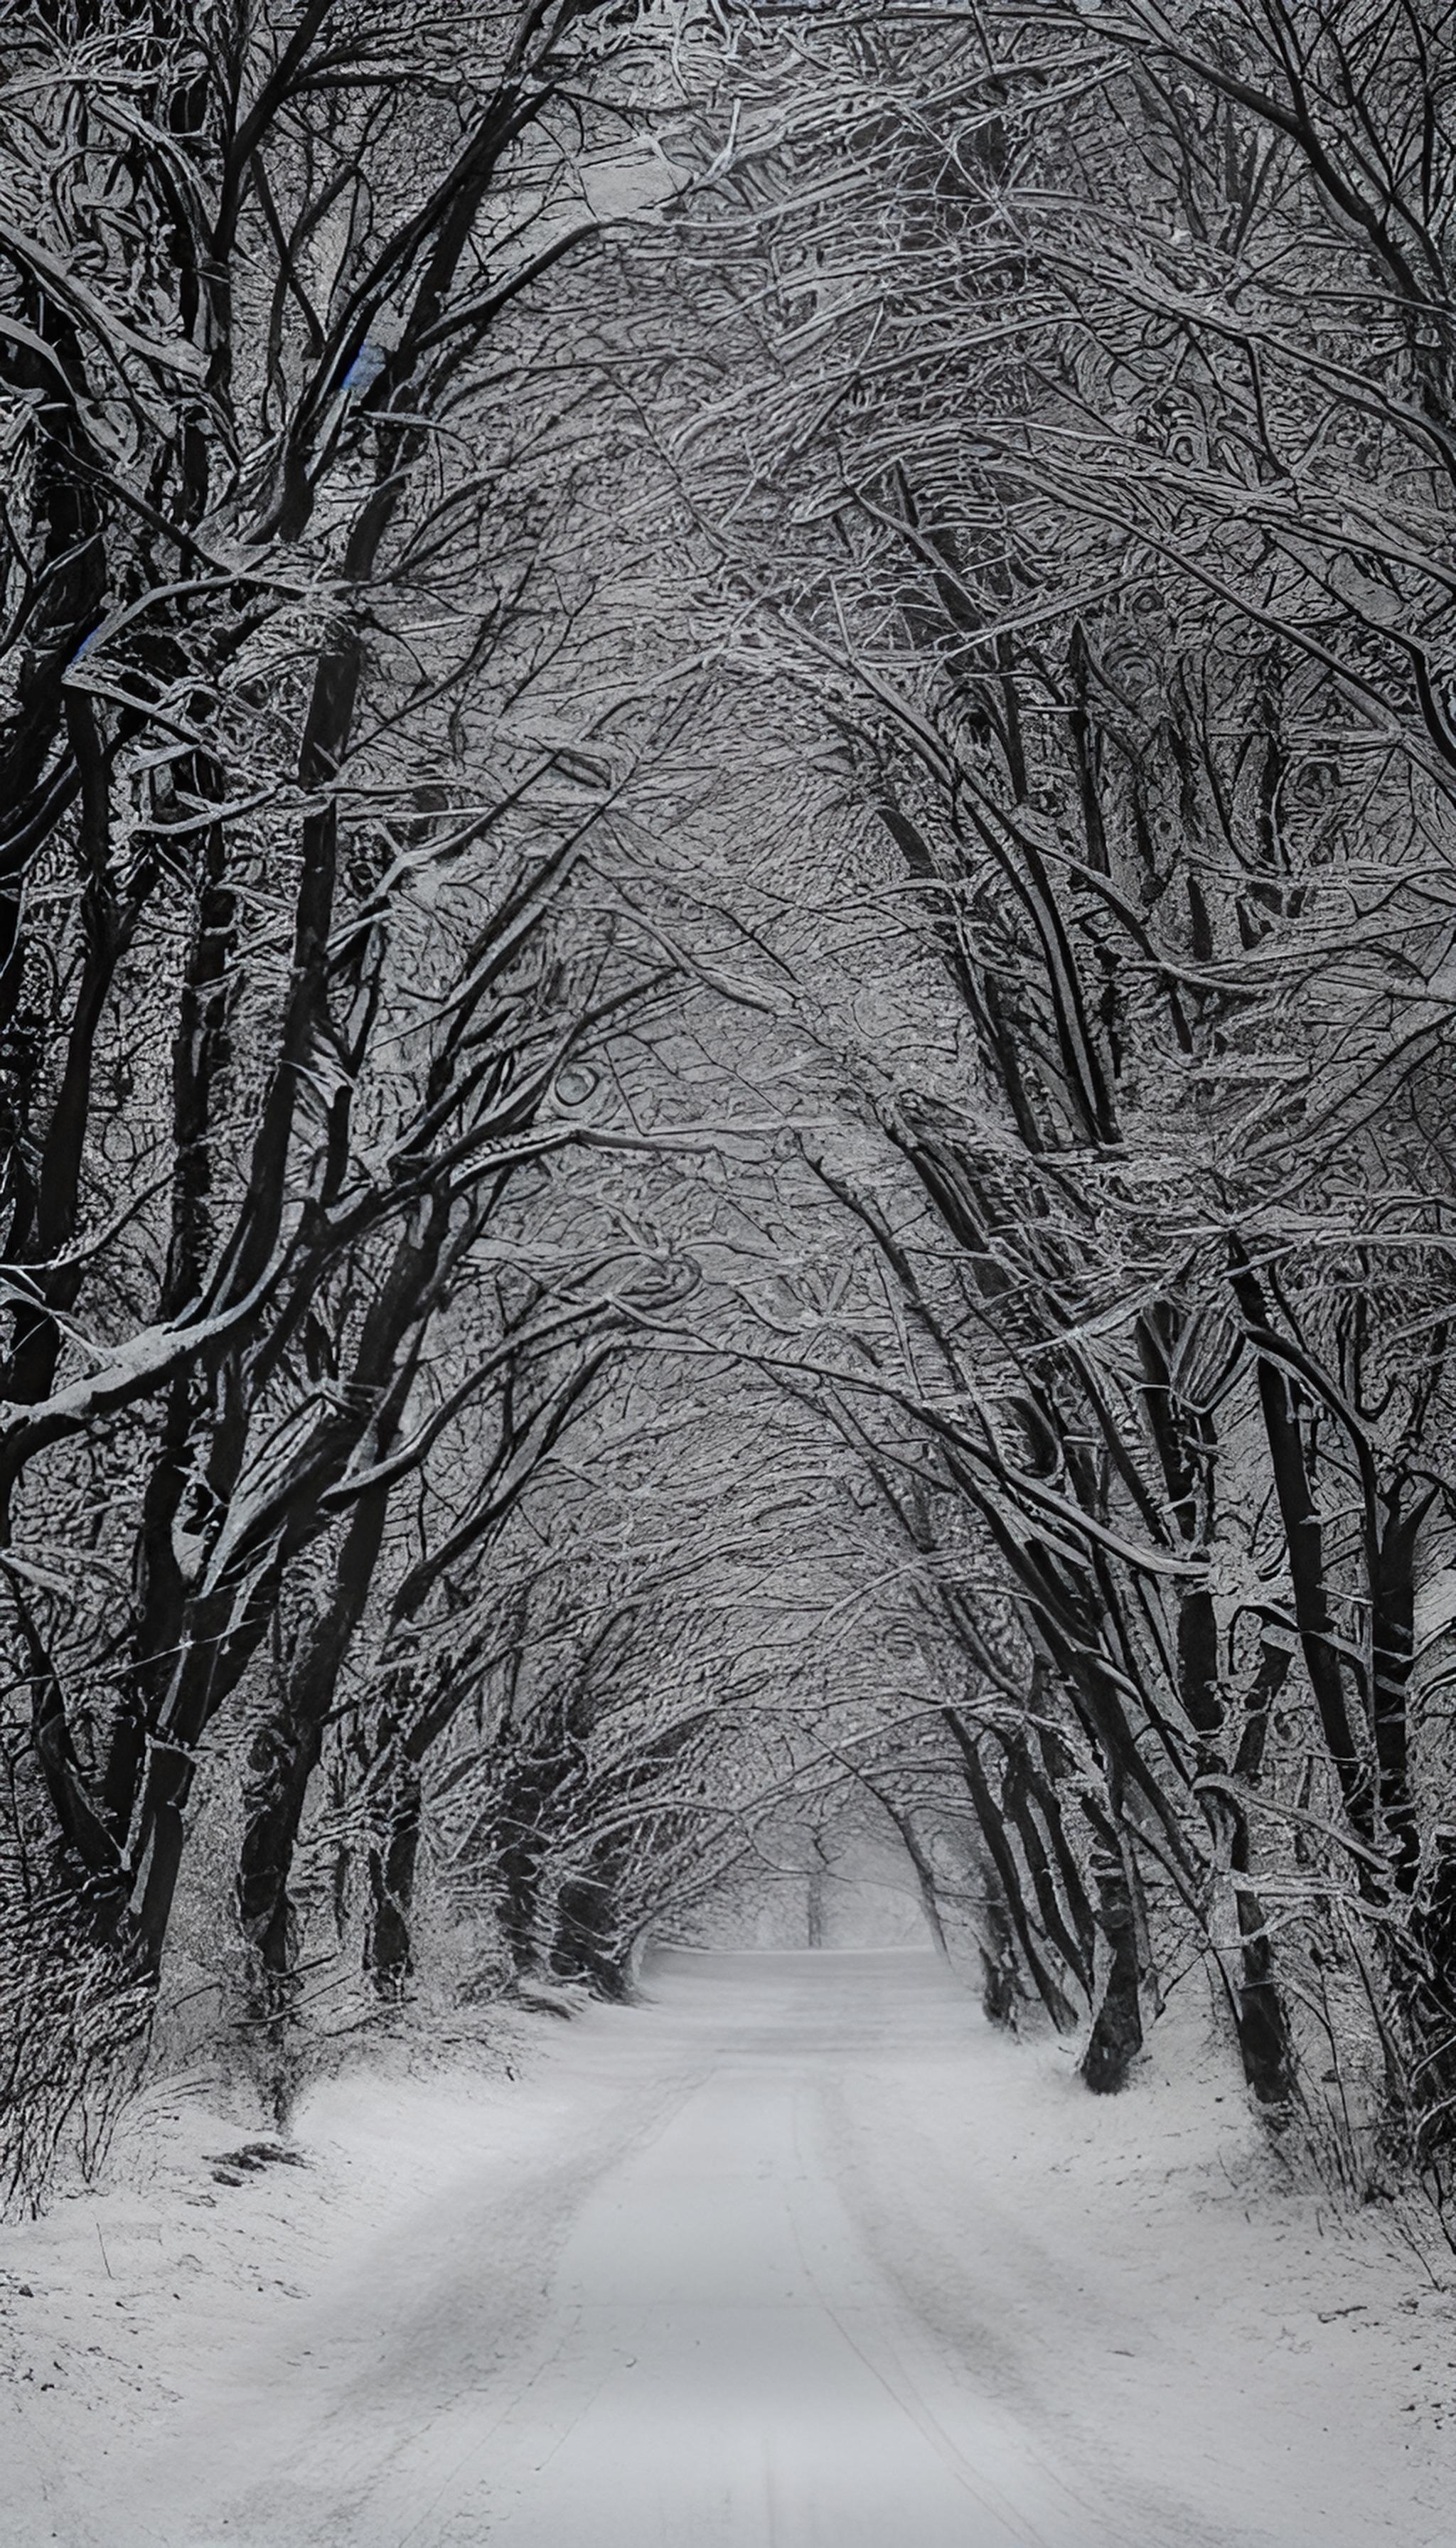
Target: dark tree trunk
1070, 1944
1282, 1401
1259, 2017
1393, 1646
587, 1945
1116, 2039
1001, 1986
287, 1745
519, 1838
392, 1863
994, 1833
277, 1782
819, 1877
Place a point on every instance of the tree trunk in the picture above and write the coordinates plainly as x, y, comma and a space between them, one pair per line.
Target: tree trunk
994, 1834
1259, 2017
814, 1923
289, 1740
1001, 1989
1116, 2039
588, 1947
518, 1841
392, 1863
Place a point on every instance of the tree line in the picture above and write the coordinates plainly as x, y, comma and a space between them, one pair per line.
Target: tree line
1076, 435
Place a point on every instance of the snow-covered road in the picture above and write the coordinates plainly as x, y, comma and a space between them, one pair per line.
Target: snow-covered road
789, 2257
677, 2338
723, 2363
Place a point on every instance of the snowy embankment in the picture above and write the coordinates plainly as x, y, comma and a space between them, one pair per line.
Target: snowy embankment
1113, 2308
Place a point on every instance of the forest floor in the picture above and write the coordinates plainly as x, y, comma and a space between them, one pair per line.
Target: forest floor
795, 2254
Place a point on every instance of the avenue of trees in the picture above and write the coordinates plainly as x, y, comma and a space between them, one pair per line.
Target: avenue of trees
1076, 435
727, 939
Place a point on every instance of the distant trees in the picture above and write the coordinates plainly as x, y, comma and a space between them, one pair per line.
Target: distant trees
670, 1678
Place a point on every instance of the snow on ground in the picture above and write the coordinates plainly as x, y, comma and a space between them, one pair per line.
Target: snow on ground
1150, 2281
797, 2252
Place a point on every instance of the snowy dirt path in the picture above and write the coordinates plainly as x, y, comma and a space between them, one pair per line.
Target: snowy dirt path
791, 2257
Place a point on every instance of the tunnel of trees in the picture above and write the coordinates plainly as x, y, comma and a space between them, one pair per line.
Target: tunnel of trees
727, 957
